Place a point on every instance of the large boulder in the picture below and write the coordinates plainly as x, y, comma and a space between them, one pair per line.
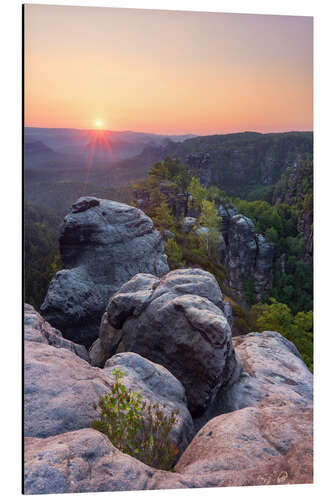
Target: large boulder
272, 366
60, 390
271, 443
36, 329
103, 244
178, 321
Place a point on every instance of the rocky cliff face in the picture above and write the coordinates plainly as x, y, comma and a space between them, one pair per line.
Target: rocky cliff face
200, 163
298, 190
305, 229
103, 244
245, 254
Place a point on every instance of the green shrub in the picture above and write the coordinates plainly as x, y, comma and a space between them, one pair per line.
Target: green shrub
136, 428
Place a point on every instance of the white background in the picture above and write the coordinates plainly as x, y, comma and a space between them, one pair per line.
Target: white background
10, 245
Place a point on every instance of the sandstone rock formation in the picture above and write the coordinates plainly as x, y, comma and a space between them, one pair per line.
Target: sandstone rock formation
305, 229
103, 244
179, 322
299, 190
261, 434
272, 366
107, 343
245, 254
188, 223
61, 390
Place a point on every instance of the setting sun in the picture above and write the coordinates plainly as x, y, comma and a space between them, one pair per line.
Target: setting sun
98, 124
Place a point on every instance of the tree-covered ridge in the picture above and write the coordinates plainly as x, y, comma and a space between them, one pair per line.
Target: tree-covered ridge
295, 186
248, 164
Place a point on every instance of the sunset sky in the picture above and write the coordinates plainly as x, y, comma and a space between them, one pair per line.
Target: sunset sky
167, 72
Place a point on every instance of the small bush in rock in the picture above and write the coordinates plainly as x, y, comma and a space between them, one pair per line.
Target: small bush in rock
136, 428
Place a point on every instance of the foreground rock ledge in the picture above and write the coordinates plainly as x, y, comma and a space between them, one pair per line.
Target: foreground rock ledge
269, 444
103, 244
268, 440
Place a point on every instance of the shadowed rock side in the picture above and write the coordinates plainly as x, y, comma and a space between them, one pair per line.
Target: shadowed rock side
200, 162
103, 244
36, 329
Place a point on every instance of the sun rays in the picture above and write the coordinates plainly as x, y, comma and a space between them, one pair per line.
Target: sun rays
98, 148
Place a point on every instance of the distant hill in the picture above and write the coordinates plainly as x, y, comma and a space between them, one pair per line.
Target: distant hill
36, 147
244, 161
75, 141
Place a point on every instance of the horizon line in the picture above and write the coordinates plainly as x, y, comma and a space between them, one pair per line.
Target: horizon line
169, 134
